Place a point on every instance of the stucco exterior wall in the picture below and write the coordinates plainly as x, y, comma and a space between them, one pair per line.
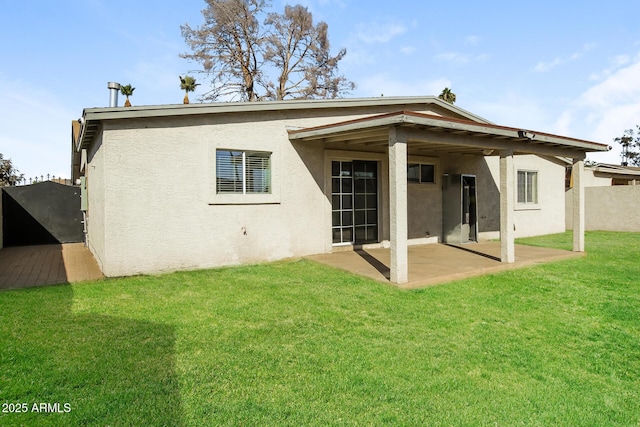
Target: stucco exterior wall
613, 208
153, 205
152, 201
424, 203
590, 179
530, 220
95, 217
546, 216
487, 180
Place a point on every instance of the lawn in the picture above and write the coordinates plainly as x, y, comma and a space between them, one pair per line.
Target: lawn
297, 343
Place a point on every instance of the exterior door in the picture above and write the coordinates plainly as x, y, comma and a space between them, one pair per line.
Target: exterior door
354, 198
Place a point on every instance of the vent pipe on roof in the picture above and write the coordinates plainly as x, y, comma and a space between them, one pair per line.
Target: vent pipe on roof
114, 88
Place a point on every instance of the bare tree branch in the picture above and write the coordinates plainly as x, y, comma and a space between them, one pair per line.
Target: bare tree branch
289, 58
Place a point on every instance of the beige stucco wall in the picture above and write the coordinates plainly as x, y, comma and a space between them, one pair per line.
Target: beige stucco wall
152, 201
545, 217
488, 192
424, 203
153, 206
95, 217
591, 180
613, 208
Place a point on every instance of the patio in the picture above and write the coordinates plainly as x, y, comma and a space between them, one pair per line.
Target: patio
26, 266
439, 263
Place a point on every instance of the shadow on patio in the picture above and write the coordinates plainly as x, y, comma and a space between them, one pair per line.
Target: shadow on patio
439, 263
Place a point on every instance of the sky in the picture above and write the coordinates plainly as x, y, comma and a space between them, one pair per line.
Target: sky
568, 68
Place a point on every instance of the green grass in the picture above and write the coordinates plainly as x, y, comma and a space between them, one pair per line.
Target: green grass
297, 343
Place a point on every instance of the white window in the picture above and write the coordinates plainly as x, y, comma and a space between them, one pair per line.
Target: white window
419, 172
527, 187
243, 172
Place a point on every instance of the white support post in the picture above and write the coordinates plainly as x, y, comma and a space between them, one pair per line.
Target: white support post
507, 205
578, 205
398, 207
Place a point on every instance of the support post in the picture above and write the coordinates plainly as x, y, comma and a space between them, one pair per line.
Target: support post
578, 205
507, 205
398, 206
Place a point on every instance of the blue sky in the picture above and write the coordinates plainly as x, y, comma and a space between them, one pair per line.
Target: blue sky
571, 68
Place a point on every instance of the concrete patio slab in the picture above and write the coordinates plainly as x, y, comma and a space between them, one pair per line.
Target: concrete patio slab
439, 263
26, 266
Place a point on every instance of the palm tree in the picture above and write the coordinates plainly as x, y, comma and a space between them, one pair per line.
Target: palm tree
188, 84
127, 90
447, 96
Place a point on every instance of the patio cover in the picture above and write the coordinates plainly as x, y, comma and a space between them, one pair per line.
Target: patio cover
409, 132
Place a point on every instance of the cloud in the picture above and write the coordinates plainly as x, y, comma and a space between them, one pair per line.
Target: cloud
407, 50
512, 109
607, 108
460, 58
375, 32
545, 66
615, 63
365, 44
384, 84
36, 129
472, 40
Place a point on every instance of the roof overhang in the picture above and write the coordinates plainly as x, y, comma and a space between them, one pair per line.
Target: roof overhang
93, 117
428, 134
617, 171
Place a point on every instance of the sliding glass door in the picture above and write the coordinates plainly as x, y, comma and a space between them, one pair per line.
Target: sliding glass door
354, 198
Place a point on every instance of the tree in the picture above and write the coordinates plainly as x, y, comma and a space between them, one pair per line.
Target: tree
300, 52
127, 91
227, 45
630, 142
187, 84
448, 96
9, 175
288, 58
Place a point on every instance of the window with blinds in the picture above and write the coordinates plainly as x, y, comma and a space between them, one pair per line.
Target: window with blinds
243, 172
527, 187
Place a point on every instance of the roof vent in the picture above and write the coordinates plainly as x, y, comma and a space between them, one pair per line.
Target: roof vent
114, 88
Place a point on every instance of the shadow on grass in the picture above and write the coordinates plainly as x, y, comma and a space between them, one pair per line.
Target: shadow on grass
109, 370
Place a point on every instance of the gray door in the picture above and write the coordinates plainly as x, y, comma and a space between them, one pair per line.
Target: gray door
460, 209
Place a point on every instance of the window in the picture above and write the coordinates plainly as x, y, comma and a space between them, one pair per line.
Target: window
243, 172
424, 173
527, 187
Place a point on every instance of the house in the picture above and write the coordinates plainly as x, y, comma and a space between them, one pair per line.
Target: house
175, 187
604, 174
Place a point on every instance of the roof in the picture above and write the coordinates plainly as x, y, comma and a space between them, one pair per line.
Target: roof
617, 170
92, 117
431, 134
